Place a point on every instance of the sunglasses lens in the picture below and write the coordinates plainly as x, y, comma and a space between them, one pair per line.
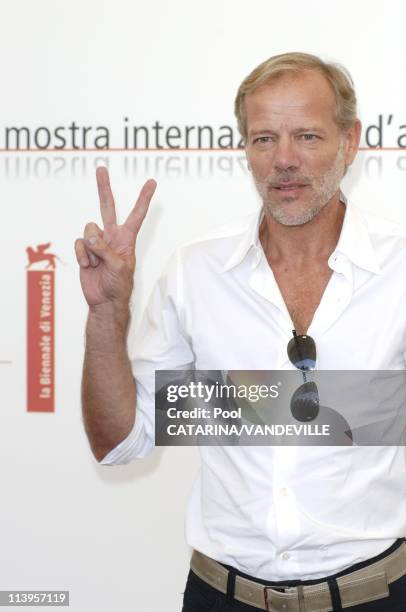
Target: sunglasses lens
305, 402
302, 352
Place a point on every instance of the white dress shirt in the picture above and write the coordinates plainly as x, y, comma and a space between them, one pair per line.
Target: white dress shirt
277, 512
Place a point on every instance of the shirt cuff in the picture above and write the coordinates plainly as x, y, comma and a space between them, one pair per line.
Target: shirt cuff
135, 446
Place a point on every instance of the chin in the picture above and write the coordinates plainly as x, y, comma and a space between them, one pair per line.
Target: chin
293, 220
285, 215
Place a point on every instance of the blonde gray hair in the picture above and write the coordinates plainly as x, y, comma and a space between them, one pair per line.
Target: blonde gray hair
291, 63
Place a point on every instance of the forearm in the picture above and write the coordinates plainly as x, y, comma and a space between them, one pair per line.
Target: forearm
108, 386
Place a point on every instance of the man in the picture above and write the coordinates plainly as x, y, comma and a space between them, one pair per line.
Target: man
273, 528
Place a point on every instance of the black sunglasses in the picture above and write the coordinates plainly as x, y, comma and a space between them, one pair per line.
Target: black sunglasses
305, 401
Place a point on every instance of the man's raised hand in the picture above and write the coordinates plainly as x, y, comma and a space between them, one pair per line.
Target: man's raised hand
107, 256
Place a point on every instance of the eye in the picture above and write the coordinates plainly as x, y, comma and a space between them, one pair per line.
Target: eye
308, 137
262, 139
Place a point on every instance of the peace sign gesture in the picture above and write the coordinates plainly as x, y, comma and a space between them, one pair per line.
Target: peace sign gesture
107, 256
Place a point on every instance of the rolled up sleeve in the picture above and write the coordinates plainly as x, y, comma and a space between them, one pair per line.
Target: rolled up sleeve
159, 344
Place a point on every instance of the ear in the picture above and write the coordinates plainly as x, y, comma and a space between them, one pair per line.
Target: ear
353, 137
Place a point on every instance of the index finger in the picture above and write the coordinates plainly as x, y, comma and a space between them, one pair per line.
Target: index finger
107, 207
136, 216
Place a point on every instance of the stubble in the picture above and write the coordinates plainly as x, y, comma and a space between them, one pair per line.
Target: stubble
324, 187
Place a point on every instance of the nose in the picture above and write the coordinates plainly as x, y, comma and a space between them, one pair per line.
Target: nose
285, 154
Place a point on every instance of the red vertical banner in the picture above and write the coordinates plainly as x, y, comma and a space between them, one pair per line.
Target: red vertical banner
40, 340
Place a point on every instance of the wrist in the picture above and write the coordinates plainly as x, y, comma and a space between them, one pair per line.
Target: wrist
108, 323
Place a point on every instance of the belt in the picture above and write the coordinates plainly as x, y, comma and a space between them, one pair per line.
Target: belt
361, 586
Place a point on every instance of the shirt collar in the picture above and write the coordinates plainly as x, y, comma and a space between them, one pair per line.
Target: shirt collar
354, 242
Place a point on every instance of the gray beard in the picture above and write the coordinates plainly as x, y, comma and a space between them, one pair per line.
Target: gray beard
325, 187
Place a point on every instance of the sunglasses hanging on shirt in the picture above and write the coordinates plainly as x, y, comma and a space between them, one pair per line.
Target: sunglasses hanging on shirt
305, 401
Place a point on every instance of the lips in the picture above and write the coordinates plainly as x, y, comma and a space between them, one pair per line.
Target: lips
287, 186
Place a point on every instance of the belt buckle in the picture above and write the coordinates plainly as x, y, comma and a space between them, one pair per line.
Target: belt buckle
274, 597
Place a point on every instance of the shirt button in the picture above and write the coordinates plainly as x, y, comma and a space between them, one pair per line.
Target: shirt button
285, 556
284, 491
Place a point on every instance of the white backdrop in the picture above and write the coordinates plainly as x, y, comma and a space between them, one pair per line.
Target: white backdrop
113, 536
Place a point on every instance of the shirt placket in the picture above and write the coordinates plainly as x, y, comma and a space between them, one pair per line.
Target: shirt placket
283, 511
285, 516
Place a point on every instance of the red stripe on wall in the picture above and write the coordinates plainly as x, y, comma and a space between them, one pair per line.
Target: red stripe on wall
40, 340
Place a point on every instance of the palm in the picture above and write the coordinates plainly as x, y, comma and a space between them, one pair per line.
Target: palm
109, 281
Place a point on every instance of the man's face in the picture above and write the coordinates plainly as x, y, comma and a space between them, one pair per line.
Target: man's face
295, 150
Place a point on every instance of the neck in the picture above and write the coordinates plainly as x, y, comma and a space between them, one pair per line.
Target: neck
298, 244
